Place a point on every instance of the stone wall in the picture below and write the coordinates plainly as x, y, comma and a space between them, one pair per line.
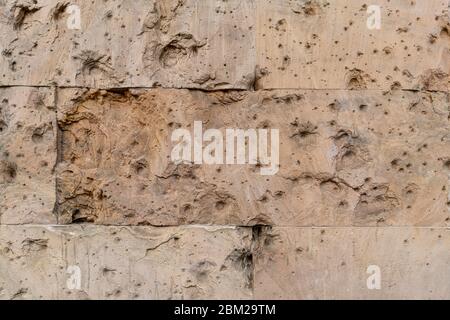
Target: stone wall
92, 205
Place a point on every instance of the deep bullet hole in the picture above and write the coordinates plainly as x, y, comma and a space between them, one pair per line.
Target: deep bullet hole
447, 164
75, 213
220, 205
139, 169
140, 166
182, 46
12, 65
77, 217
395, 162
279, 194
348, 154
187, 208
363, 107
445, 31
304, 134
257, 232
101, 195
343, 204
122, 92
353, 83
11, 171
335, 106
396, 86
3, 126
36, 137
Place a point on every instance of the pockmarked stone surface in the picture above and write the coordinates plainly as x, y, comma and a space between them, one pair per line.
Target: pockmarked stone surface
224, 149
353, 44
98, 262
346, 158
27, 155
218, 44
352, 263
171, 43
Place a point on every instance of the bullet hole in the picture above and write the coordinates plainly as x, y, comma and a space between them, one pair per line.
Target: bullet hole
363, 107
78, 217
8, 170
37, 136
220, 205
3, 126
447, 164
187, 208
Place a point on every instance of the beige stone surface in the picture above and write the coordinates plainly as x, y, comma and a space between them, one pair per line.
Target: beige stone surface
218, 44
332, 263
327, 45
171, 43
93, 207
42, 262
27, 155
362, 158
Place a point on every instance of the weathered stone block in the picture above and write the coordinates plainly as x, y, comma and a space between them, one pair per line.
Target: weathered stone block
170, 43
27, 155
360, 158
98, 262
334, 263
222, 45
328, 45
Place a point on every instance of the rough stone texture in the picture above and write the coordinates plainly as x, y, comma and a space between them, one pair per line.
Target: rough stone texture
331, 263
87, 183
125, 263
173, 43
327, 45
218, 44
27, 155
347, 158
